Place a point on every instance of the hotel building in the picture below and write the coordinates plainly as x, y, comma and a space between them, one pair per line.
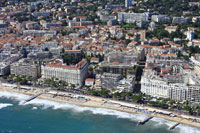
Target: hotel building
71, 74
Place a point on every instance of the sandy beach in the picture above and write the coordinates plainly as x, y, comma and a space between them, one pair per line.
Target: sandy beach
98, 102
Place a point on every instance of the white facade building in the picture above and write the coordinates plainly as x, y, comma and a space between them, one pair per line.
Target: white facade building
133, 17
154, 87
160, 18
190, 35
89, 82
71, 74
158, 87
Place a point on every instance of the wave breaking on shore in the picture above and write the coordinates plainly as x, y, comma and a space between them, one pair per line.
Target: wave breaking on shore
64, 106
101, 111
4, 105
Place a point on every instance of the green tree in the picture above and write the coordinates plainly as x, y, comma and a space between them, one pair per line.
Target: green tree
67, 59
116, 95
93, 92
24, 81
186, 57
179, 54
198, 111
188, 108
136, 98
104, 93
64, 23
5, 77
18, 79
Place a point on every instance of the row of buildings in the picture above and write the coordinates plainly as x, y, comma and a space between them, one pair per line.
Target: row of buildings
167, 76
128, 3
71, 74
145, 17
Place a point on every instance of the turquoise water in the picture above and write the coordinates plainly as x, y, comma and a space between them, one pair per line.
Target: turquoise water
42, 116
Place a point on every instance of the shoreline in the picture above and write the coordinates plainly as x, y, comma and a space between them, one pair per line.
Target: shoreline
98, 102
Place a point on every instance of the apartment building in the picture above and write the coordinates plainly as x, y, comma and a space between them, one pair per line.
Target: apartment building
79, 23
180, 20
5, 64
115, 82
38, 33
110, 7
4, 68
159, 87
167, 76
107, 17
120, 62
160, 18
133, 17
25, 67
154, 87
193, 93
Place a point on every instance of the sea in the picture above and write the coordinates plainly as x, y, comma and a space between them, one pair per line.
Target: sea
43, 116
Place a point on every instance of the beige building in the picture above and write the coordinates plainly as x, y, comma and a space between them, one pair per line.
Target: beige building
27, 68
171, 29
143, 35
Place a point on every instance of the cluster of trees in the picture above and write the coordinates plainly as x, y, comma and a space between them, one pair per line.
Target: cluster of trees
192, 109
160, 32
103, 93
128, 96
193, 50
92, 17
197, 33
189, 109
71, 59
128, 26
170, 7
138, 98
21, 80
196, 25
64, 23
179, 54
64, 32
185, 26
158, 104
22, 17
55, 83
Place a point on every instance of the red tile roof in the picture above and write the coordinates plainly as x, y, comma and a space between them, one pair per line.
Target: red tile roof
93, 58
168, 54
89, 80
61, 66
